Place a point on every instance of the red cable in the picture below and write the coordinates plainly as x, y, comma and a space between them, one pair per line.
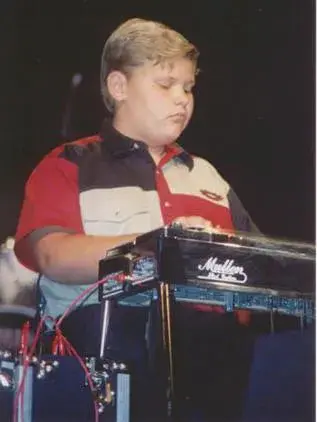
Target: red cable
24, 341
73, 352
60, 342
25, 363
119, 277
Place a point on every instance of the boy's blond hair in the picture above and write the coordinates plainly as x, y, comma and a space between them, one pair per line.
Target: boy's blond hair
136, 41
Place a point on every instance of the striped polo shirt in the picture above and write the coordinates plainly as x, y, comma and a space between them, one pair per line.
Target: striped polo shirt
109, 185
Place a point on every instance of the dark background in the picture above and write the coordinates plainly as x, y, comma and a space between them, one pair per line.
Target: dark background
255, 113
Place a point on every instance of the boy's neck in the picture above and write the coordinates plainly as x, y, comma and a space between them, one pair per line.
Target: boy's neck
156, 153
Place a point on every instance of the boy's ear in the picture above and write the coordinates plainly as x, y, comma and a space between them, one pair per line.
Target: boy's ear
117, 85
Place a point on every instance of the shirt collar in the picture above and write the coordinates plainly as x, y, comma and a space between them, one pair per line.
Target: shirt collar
120, 145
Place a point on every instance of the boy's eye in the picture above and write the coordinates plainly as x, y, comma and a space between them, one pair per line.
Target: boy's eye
165, 85
188, 88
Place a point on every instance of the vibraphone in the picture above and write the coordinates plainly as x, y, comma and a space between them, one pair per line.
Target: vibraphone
236, 271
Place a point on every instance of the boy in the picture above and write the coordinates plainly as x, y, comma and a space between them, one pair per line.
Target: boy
91, 195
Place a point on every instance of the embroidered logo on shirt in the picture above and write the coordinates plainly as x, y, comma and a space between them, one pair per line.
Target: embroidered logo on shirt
211, 195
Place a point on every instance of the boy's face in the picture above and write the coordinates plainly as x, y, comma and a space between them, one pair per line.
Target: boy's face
158, 102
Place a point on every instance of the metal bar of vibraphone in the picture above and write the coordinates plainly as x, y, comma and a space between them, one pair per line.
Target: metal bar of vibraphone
169, 335
105, 327
163, 316
123, 380
167, 341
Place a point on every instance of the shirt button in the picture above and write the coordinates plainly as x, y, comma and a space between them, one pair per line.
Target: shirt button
167, 204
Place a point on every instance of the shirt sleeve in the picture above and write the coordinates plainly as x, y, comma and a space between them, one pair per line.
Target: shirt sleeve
240, 217
51, 204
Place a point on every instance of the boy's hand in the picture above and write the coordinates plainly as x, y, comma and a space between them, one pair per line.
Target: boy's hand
195, 222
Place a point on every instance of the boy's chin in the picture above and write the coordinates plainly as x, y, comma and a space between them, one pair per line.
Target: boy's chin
172, 135
166, 137
167, 140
